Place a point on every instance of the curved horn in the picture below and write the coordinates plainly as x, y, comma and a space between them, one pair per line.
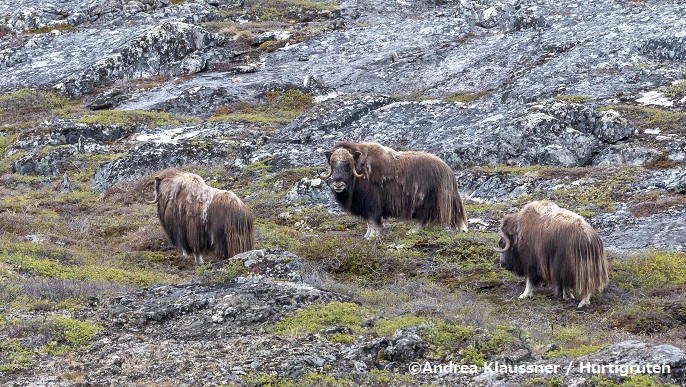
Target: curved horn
357, 175
157, 195
328, 175
356, 155
508, 243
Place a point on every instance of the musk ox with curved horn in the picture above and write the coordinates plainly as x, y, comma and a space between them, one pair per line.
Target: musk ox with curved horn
374, 182
200, 219
544, 242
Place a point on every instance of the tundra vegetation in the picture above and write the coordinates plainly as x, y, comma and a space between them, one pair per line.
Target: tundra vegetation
60, 249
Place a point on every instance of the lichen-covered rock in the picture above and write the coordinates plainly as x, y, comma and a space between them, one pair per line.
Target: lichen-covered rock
42, 164
276, 264
550, 133
171, 48
162, 148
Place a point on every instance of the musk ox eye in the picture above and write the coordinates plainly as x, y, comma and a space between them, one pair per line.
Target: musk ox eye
347, 167
501, 243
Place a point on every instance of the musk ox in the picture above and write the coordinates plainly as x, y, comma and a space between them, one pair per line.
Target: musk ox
544, 242
200, 219
374, 182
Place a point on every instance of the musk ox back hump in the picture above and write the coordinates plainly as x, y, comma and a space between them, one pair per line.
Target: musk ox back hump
199, 219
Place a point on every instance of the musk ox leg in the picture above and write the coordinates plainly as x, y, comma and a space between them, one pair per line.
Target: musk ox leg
528, 290
198, 259
373, 229
585, 301
567, 294
417, 227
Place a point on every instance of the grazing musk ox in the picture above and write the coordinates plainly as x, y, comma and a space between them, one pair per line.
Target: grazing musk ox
374, 182
544, 242
200, 219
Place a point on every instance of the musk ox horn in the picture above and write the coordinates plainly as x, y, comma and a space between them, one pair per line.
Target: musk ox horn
157, 189
357, 175
328, 175
508, 243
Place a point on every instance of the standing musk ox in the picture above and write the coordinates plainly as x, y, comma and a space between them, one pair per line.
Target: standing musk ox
544, 242
200, 219
374, 182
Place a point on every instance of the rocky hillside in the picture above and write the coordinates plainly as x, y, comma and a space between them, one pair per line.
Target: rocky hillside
583, 104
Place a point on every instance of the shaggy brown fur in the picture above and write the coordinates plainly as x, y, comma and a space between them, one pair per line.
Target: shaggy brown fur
374, 182
544, 242
200, 219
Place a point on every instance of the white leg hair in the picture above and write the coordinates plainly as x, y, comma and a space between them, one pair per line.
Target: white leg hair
373, 230
585, 301
463, 226
198, 259
528, 291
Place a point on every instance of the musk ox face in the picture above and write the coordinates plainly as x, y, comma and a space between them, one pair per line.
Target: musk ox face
506, 259
343, 170
509, 257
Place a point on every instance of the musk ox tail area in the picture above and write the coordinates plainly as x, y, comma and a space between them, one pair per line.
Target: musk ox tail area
230, 226
442, 203
591, 265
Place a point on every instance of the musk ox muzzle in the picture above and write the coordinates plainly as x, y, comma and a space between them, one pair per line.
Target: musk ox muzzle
544, 242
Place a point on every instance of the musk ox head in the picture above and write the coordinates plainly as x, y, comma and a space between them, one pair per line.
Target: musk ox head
342, 168
507, 245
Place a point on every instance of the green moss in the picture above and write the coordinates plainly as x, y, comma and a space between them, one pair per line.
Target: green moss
651, 117
445, 336
71, 334
573, 352
13, 356
574, 98
472, 355
317, 317
465, 97
387, 327
45, 262
572, 336
59, 27
676, 90
605, 188
311, 379
502, 169
51, 335
5, 141
134, 118
474, 345
273, 108
649, 269
281, 10
414, 96
269, 235
317, 379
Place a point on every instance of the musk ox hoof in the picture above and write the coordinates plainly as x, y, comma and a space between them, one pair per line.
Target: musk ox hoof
373, 230
525, 295
584, 302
